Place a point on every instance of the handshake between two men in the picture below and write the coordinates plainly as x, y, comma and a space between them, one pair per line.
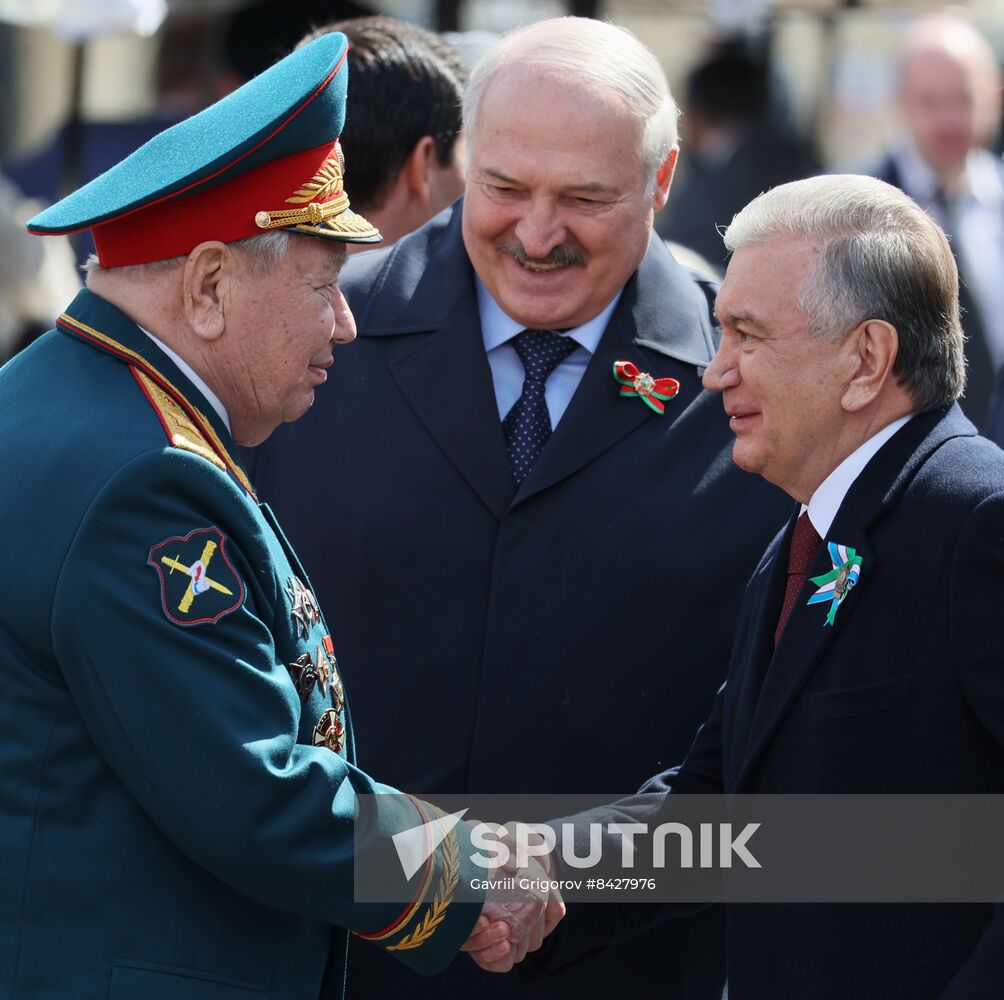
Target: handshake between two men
522, 906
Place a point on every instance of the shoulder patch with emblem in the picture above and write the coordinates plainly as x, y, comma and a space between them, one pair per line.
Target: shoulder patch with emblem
198, 583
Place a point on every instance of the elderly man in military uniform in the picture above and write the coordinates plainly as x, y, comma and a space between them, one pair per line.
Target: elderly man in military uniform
178, 783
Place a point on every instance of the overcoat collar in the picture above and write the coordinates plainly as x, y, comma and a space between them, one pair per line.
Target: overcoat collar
806, 638
103, 326
425, 285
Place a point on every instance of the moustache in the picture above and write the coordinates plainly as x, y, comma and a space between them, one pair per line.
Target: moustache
562, 256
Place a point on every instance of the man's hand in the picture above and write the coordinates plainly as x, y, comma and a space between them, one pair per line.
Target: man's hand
514, 921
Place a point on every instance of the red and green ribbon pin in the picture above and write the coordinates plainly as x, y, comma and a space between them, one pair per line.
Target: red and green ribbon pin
838, 583
654, 392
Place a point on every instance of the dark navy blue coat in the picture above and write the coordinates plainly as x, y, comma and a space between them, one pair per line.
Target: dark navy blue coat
568, 637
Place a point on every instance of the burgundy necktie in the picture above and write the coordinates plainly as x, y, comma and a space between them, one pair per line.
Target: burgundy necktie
805, 543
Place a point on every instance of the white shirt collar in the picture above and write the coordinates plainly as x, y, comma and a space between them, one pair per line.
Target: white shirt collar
498, 328
825, 502
918, 179
211, 398
980, 181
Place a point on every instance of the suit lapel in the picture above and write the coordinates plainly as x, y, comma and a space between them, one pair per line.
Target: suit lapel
423, 293
425, 285
448, 383
807, 638
766, 593
663, 301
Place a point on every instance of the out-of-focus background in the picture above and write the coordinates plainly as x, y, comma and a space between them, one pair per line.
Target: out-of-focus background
86, 81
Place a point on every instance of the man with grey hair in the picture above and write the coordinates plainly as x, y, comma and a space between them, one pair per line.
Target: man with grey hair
869, 656
541, 498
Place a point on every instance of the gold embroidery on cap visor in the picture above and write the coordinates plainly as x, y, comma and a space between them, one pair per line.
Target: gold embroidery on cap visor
324, 208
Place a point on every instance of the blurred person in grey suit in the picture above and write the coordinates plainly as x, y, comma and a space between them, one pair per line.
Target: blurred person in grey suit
949, 103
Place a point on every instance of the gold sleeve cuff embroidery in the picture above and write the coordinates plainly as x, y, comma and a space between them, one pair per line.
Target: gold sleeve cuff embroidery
409, 914
435, 915
446, 888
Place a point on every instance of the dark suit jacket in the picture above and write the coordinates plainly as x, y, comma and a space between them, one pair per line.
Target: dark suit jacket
529, 641
903, 694
706, 195
995, 421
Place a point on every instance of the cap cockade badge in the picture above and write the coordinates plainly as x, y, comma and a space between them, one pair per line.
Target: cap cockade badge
838, 583
323, 205
322, 197
654, 392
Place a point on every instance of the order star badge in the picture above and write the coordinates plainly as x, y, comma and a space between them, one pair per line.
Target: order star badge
838, 583
329, 731
305, 610
654, 392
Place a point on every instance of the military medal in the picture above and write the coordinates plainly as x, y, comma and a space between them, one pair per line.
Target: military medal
337, 692
323, 670
305, 675
839, 582
329, 731
653, 392
305, 610
327, 668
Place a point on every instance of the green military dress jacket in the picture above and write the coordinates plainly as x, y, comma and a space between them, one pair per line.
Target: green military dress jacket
177, 777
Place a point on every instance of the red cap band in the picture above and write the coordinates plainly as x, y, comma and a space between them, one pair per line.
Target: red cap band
224, 212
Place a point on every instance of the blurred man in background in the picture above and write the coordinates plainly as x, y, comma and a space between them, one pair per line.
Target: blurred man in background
949, 101
737, 142
402, 133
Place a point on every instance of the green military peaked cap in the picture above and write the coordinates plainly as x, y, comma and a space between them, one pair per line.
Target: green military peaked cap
264, 157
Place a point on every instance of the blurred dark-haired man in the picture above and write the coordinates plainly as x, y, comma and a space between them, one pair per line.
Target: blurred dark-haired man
737, 141
402, 132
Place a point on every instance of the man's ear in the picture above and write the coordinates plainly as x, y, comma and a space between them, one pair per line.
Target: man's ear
663, 179
873, 347
418, 168
206, 287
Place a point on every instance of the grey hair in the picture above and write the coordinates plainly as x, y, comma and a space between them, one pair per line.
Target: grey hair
264, 252
596, 53
880, 256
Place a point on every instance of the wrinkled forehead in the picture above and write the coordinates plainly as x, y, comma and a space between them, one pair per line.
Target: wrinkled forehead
522, 96
545, 129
